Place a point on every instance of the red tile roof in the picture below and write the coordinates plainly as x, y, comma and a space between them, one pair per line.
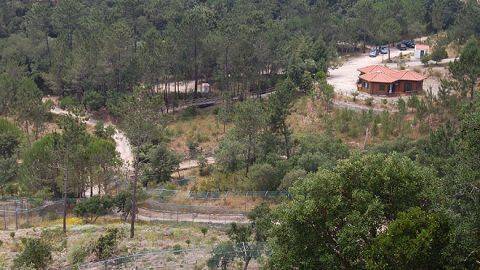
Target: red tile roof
382, 74
422, 47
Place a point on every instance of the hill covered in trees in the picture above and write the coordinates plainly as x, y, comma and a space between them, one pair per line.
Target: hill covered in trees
390, 187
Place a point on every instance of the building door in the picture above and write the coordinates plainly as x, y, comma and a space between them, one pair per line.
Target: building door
391, 88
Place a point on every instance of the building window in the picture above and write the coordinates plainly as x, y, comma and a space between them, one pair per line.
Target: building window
408, 87
365, 85
383, 87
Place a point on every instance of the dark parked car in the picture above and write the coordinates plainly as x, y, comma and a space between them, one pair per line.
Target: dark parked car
384, 49
409, 43
401, 46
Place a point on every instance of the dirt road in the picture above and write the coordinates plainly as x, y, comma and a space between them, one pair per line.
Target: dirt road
344, 78
123, 146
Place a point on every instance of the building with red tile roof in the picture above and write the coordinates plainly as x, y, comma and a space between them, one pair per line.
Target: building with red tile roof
381, 80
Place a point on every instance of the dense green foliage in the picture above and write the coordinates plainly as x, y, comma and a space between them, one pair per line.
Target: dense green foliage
347, 206
35, 254
10, 141
92, 208
94, 50
415, 240
406, 204
105, 246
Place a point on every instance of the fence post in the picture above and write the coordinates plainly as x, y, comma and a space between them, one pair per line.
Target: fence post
5, 217
28, 215
16, 216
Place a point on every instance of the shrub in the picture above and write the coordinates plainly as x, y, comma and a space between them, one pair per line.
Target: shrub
264, 177
369, 101
401, 106
106, 245
68, 102
291, 177
311, 162
123, 202
55, 238
177, 249
92, 208
36, 253
425, 59
190, 112
192, 147
355, 95
204, 230
438, 54
78, 254
204, 168
93, 100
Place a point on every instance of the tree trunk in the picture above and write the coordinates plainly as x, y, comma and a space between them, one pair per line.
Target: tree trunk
91, 186
48, 49
287, 143
247, 261
134, 199
389, 59
195, 67
65, 181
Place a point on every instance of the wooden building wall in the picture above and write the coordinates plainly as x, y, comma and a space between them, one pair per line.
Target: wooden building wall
400, 87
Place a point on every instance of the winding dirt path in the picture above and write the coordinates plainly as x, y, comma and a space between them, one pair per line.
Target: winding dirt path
123, 146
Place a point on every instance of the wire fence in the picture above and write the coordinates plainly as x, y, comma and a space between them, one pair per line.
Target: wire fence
158, 211
218, 195
193, 257
19, 213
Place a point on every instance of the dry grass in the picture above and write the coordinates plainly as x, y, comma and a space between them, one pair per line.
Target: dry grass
149, 237
202, 128
309, 117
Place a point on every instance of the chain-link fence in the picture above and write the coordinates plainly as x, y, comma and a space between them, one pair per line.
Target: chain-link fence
218, 195
193, 257
20, 213
158, 211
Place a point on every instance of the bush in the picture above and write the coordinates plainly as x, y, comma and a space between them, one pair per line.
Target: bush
36, 253
291, 177
425, 59
204, 167
439, 54
190, 112
93, 100
106, 245
55, 238
204, 230
311, 162
264, 177
68, 102
123, 202
177, 249
92, 208
78, 254
369, 102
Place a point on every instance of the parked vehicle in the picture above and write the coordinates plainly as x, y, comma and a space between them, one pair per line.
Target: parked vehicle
401, 46
373, 52
384, 49
409, 43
